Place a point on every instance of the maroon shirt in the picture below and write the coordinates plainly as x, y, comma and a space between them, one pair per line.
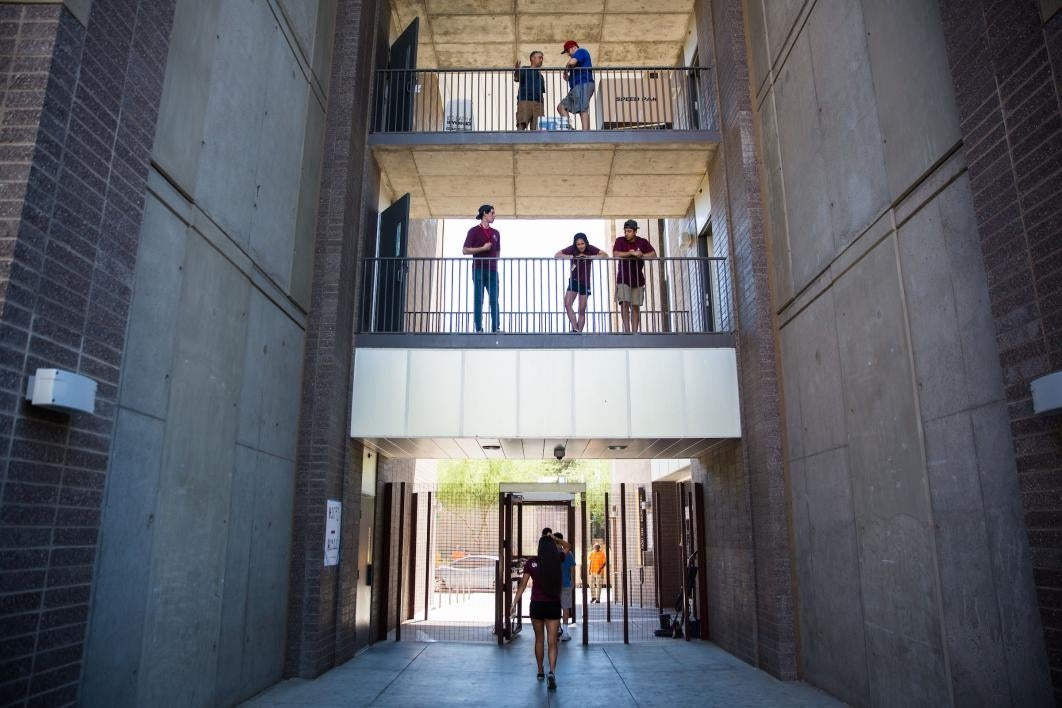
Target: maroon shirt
479, 237
631, 271
581, 266
538, 594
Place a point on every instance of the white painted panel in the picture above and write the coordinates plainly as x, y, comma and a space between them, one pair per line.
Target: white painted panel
378, 403
489, 407
546, 393
434, 399
712, 404
657, 393
601, 396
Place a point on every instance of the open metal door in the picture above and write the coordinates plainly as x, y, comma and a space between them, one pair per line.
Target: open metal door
391, 268
397, 91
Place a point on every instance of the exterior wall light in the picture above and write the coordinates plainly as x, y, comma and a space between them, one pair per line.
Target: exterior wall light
60, 390
1047, 394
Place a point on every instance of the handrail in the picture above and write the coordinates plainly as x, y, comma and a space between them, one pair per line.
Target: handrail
485, 100
419, 295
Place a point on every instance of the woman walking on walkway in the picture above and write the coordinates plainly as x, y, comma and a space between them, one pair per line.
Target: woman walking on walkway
545, 570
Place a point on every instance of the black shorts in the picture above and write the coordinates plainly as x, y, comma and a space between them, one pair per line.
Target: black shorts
545, 610
574, 286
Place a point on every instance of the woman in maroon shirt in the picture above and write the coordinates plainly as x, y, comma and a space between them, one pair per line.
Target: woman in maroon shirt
545, 570
579, 283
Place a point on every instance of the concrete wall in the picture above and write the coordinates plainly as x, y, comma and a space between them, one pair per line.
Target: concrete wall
192, 584
914, 578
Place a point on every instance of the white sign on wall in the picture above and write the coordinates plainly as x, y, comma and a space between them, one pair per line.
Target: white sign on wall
331, 549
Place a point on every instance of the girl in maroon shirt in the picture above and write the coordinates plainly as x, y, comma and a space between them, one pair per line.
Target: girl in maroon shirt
579, 283
545, 570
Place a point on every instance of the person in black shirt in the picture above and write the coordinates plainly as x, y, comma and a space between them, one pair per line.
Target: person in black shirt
529, 106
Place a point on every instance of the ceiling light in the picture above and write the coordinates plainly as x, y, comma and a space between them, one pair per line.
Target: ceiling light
492, 447
617, 447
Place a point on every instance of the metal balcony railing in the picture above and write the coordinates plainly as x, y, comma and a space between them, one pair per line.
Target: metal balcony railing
485, 100
436, 296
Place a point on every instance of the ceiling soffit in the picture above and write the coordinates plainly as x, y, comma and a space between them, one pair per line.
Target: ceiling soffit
463, 34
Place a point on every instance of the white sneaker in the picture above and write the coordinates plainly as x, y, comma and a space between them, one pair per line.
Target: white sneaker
565, 637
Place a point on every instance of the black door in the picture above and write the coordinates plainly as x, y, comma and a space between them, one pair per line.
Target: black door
399, 84
391, 268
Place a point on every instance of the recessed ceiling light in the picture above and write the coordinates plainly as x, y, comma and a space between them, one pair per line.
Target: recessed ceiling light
617, 447
492, 447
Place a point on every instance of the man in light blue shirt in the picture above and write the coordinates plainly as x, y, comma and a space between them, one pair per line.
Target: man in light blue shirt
567, 576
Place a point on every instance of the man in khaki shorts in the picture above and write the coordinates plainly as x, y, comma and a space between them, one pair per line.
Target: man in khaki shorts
630, 274
529, 106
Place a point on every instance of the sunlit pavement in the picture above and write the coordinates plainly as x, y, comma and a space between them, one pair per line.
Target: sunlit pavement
672, 673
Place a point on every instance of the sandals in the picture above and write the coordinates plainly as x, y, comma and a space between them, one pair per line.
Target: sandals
551, 682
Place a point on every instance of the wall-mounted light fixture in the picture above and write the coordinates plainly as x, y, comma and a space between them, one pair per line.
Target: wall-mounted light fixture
1047, 394
60, 390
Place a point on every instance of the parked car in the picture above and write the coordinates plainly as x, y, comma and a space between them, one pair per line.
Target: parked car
468, 573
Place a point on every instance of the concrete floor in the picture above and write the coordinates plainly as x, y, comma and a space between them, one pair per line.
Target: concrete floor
412, 674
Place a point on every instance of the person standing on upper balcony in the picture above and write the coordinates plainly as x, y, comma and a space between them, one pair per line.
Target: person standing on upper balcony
483, 243
530, 93
579, 281
630, 274
580, 78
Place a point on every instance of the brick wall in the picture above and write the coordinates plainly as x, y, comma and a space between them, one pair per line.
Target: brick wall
68, 258
1006, 65
324, 425
737, 231
27, 41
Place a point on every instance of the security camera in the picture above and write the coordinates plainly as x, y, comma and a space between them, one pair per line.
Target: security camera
558, 452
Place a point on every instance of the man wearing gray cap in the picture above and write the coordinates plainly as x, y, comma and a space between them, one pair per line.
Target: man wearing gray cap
630, 274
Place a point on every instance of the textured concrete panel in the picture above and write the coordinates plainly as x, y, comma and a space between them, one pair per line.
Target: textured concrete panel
302, 19
637, 54
621, 207
236, 581
185, 91
831, 614
791, 352
306, 220
438, 188
323, 42
559, 28
278, 172
551, 163
466, 207
653, 186
653, 377
600, 414
267, 594
489, 393
956, 360
153, 313
852, 141
112, 653
546, 411
180, 648
270, 392
1022, 632
434, 404
814, 360
780, 17
776, 221
757, 39
803, 167
650, 6
379, 376
972, 621
573, 207
463, 162
461, 29
225, 186
897, 560
634, 161
632, 28
912, 83
583, 185
469, 7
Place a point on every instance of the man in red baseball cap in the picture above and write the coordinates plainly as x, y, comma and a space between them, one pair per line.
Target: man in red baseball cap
580, 80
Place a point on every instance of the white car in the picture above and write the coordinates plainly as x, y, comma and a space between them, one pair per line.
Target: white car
468, 573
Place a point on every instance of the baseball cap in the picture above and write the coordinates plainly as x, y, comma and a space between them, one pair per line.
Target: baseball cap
568, 45
630, 224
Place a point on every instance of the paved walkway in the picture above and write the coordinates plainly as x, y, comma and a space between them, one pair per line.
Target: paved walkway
414, 674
